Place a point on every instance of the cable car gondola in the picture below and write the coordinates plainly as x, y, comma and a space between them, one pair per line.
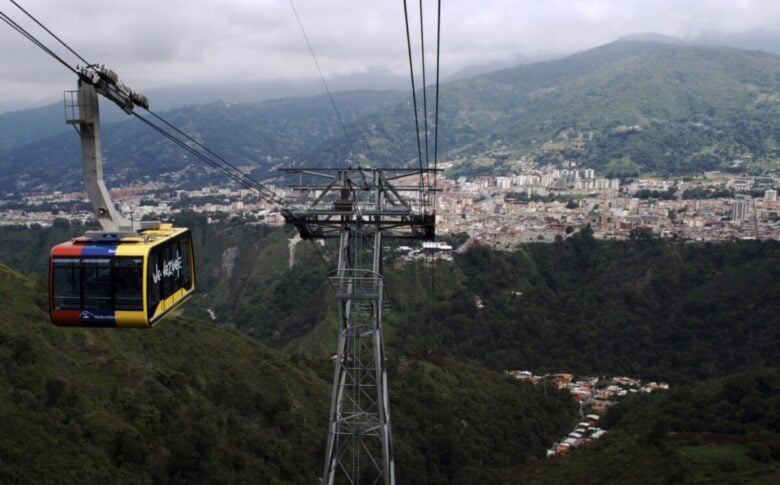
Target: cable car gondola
111, 280
132, 273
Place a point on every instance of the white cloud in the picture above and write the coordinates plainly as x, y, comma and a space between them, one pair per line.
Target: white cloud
152, 43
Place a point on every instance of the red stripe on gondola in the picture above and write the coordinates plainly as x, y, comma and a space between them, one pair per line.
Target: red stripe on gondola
70, 318
67, 249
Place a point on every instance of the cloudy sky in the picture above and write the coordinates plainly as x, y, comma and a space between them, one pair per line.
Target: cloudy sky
154, 43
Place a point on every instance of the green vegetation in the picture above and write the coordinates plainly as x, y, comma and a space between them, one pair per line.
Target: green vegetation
27, 248
245, 280
707, 193
460, 423
523, 197
654, 309
648, 308
676, 311
645, 194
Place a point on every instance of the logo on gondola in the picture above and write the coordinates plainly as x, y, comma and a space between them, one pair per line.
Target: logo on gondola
169, 268
85, 315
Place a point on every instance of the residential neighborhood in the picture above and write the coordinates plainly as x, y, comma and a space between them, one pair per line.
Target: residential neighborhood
535, 204
595, 395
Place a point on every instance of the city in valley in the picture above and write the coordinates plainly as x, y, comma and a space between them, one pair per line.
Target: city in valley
534, 204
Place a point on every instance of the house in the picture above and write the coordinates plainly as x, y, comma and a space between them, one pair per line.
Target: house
580, 395
433, 248
654, 386
561, 380
626, 381
601, 405
563, 448
523, 375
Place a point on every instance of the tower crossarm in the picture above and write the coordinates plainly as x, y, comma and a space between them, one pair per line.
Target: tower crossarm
385, 199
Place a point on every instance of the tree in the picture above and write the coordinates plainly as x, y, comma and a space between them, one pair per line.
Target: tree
586, 233
641, 234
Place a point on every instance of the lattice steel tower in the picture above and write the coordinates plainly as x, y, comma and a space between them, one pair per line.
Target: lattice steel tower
360, 207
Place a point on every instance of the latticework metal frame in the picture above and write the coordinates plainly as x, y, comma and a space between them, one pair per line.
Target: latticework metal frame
361, 207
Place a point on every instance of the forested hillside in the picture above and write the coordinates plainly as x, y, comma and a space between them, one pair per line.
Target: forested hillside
186, 401
215, 401
193, 401
654, 309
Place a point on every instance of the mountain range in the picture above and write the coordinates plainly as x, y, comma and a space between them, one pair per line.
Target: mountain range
260, 136
625, 108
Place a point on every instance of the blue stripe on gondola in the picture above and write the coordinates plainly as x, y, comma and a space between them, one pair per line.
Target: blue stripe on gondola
108, 249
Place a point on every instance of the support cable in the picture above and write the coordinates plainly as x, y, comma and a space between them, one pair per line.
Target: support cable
414, 94
259, 186
324, 82
424, 91
435, 147
236, 175
436, 116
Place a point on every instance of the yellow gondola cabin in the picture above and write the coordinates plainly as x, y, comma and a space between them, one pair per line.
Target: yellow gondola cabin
109, 280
